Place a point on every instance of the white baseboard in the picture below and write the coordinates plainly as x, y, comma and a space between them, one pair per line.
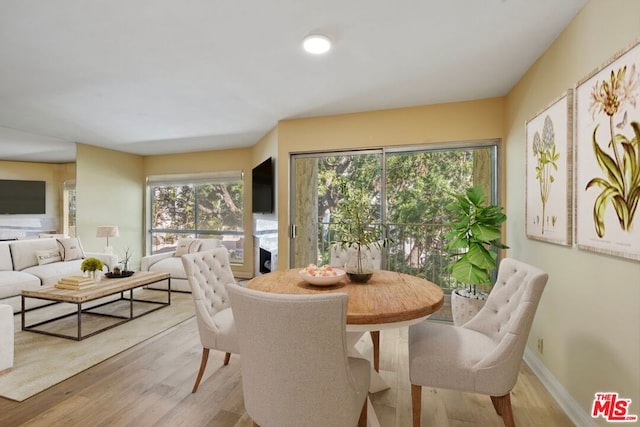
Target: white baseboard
569, 405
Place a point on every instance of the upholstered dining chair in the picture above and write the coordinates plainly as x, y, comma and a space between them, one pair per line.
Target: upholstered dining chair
294, 363
337, 258
208, 273
483, 355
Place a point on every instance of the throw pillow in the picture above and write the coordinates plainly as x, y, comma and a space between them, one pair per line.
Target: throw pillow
70, 249
187, 246
48, 256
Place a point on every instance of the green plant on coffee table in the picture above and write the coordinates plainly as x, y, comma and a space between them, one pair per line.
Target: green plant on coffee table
91, 264
473, 237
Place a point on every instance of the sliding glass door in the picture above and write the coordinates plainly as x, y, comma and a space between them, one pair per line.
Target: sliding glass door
316, 180
409, 188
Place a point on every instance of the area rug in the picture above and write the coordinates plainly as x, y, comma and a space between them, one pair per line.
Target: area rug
41, 361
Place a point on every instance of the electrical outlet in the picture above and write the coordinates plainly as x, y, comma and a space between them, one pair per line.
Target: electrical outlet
540, 345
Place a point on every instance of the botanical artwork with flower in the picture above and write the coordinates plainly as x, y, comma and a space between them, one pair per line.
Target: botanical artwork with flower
548, 173
608, 148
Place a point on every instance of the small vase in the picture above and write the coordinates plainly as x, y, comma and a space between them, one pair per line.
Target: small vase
359, 266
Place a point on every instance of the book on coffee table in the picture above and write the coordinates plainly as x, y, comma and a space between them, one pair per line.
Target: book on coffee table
74, 282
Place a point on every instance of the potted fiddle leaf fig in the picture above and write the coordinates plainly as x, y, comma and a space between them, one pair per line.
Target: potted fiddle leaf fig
357, 229
473, 237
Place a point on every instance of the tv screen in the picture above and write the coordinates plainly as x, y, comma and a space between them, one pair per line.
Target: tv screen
262, 187
22, 197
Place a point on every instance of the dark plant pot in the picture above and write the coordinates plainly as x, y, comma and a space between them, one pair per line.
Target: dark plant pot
359, 277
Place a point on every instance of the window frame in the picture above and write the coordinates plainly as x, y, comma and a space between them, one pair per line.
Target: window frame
195, 180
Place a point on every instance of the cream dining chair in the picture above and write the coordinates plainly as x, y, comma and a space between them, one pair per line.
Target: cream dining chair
483, 355
294, 363
338, 258
208, 273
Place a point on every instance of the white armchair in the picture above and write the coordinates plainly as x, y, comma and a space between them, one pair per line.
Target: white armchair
295, 369
338, 256
208, 273
170, 262
483, 355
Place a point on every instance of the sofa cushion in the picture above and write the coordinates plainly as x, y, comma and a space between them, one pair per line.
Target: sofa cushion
5, 257
187, 246
70, 249
13, 282
23, 252
48, 256
49, 274
171, 265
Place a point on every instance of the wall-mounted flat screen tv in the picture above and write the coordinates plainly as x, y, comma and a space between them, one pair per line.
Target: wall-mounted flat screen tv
262, 187
22, 197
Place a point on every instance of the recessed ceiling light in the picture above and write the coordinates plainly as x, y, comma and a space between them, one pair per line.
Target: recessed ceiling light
316, 44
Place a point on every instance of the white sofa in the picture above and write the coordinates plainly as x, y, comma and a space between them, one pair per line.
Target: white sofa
6, 337
32, 263
171, 262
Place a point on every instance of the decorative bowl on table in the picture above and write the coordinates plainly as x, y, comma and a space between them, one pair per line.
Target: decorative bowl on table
325, 275
116, 275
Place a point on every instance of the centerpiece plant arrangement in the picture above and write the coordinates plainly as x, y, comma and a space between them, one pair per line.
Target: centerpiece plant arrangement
358, 229
473, 237
126, 259
91, 265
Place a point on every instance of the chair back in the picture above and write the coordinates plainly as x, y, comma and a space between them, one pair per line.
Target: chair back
508, 314
338, 257
208, 273
294, 358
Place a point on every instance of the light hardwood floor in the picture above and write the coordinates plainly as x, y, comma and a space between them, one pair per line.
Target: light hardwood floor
150, 384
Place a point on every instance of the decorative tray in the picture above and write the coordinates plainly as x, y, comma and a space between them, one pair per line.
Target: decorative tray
111, 275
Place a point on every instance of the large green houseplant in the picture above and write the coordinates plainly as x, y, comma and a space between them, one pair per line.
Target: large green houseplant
473, 237
357, 227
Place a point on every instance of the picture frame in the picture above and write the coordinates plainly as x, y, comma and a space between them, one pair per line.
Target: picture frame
607, 141
549, 172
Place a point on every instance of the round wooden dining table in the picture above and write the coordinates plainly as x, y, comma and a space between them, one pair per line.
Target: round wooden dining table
388, 299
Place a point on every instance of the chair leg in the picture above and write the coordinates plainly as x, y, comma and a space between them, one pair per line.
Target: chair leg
203, 365
375, 339
496, 406
502, 405
362, 422
227, 356
416, 403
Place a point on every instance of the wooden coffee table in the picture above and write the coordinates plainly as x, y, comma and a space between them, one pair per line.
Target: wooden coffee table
103, 289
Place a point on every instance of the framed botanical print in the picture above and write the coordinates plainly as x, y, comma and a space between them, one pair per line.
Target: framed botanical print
607, 140
549, 160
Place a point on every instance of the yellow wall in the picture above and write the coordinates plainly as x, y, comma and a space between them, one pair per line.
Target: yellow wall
589, 316
463, 121
212, 161
110, 191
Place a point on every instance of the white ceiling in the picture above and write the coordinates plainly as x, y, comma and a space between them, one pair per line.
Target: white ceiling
166, 76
